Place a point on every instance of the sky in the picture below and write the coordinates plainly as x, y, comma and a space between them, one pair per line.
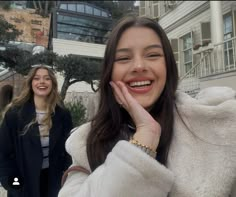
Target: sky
136, 3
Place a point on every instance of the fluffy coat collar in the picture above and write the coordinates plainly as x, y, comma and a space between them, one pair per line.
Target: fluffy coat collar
202, 156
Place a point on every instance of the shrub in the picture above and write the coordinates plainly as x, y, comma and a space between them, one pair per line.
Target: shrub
78, 112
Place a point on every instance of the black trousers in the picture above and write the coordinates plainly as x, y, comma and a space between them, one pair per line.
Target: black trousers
44, 183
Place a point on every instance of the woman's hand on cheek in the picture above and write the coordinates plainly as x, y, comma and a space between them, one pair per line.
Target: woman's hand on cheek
148, 130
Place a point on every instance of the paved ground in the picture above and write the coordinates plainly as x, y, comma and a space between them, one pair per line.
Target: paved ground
3, 192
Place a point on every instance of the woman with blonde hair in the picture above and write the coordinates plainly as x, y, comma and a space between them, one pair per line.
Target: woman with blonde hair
32, 138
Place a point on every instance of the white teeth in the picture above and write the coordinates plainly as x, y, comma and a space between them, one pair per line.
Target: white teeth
139, 83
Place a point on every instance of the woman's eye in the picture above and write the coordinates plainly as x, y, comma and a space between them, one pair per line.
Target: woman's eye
35, 78
154, 55
121, 59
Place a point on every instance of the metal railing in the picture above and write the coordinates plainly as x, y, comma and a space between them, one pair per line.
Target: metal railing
190, 82
223, 57
214, 59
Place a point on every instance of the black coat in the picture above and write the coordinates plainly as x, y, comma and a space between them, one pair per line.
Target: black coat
21, 155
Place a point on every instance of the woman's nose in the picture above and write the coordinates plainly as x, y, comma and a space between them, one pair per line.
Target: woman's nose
139, 65
41, 80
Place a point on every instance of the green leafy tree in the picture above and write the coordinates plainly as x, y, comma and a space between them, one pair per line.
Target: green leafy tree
117, 9
75, 68
15, 59
21, 60
46, 57
6, 5
8, 32
77, 111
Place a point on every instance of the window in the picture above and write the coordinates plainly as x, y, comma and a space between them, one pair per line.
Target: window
63, 6
36, 22
175, 47
34, 31
80, 8
187, 52
155, 11
72, 7
88, 9
169, 5
82, 29
142, 8
104, 14
96, 12
206, 33
228, 46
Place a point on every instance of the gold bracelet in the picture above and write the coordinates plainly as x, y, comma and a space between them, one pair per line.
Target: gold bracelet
144, 148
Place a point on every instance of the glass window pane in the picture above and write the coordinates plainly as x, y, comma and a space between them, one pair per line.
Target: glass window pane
187, 51
88, 9
80, 8
227, 24
142, 3
188, 67
176, 57
174, 44
104, 14
187, 41
83, 29
188, 56
96, 12
63, 6
72, 7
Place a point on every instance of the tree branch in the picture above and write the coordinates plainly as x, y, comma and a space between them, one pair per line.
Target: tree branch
74, 81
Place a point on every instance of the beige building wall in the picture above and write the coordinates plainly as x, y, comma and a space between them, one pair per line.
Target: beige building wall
226, 79
65, 47
35, 28
186, 17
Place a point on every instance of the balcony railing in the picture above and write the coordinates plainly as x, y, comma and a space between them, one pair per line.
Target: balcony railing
214, 59
190, 82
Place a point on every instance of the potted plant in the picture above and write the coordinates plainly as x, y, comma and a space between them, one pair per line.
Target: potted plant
196, 47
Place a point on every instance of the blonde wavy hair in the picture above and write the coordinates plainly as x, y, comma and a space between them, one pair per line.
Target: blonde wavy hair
27, 93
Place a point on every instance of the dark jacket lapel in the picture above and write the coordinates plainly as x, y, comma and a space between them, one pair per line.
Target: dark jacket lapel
26, 115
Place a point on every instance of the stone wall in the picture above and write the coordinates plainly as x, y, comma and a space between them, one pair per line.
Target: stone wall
16, 80
35, 28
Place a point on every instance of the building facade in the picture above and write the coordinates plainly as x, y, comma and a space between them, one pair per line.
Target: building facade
35, 33
202, 35
82, 29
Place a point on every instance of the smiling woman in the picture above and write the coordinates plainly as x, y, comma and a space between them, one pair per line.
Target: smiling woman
41, 83
140, 64
32, 138
147, 138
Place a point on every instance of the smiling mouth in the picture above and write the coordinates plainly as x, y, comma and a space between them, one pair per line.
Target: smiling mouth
140, 84
42, 88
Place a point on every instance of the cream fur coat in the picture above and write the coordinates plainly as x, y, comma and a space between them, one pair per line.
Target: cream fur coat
201, 162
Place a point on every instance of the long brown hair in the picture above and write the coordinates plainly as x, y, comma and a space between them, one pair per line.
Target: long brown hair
27, 94
108, 125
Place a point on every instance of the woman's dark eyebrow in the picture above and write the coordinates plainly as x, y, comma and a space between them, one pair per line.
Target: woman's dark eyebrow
41, 75
146, 48
153, 46
122, 50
